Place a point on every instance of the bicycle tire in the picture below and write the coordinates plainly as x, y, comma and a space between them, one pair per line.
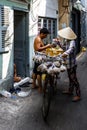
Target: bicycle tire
46, 102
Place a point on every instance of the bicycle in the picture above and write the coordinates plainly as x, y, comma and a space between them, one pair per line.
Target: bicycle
51, 67
49, 90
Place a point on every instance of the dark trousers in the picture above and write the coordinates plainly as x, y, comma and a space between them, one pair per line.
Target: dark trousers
73, 81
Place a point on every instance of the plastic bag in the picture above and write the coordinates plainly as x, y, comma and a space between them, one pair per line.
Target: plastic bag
62, 68
5, 93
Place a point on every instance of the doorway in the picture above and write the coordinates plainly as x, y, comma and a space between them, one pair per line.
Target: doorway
21, 44
76, 26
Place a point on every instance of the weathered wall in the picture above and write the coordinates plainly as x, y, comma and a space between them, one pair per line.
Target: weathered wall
63, 14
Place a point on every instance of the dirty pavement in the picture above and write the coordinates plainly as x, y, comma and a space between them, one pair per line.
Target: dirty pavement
24, 113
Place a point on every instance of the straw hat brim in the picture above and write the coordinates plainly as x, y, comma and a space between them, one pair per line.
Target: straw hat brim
67, 33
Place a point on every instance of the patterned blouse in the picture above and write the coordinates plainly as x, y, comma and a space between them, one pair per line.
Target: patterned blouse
71, 52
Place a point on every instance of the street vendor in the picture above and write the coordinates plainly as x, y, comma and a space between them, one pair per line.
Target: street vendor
70, 56
40, 47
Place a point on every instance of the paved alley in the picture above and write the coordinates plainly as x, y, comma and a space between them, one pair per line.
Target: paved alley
25, 113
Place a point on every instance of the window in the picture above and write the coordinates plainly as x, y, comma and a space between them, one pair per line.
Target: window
4, 24
51, 25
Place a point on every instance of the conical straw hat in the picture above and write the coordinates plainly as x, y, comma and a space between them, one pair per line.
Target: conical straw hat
67, 33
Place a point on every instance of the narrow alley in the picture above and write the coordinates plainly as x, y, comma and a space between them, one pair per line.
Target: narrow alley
25, 113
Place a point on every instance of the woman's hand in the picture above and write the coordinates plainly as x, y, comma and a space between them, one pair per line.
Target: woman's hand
64, 55
53, 45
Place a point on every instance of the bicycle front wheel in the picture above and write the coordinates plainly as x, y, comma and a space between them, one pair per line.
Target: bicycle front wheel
46, 102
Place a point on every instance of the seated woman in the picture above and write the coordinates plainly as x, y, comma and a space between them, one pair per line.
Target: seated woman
16, 78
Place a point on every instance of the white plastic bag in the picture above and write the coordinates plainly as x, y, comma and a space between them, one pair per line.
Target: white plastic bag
5, 93
62, 68
24, 94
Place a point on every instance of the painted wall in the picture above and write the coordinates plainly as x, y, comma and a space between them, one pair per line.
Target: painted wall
48, 8
64, 14
6, 59
44, 8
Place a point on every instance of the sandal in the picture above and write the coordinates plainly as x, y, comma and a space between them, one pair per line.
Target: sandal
76, 98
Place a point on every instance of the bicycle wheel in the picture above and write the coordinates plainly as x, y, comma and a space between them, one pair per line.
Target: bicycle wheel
55, 78
46, 102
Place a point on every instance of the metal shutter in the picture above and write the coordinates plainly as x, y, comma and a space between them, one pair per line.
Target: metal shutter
4, 24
